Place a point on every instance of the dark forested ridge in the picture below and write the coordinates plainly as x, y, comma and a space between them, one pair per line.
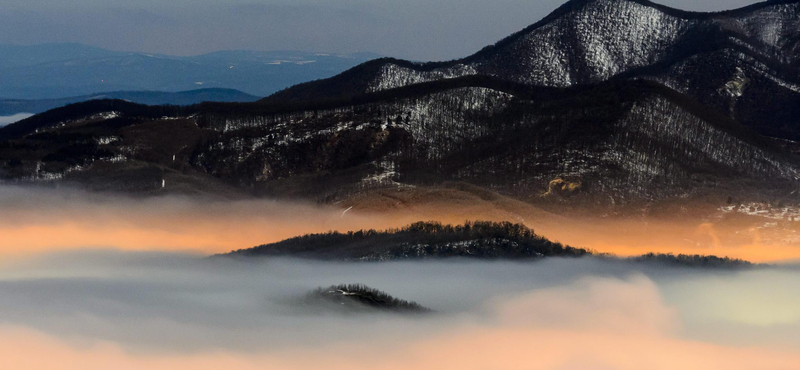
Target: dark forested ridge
698, 261
421, 240
603, 103
619, 140
473, 240
12, 106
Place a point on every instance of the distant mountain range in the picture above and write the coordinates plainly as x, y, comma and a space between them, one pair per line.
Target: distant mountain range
54, 71
602, 103
13, 106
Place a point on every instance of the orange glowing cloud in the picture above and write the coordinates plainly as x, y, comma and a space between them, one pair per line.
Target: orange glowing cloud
35, 222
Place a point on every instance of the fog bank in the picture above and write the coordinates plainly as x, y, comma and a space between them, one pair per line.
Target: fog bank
6, 120
100, 310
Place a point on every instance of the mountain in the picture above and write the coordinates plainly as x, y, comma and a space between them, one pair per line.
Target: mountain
601, 104
601, 144
14, 106
608, 142
748, 63
54, 71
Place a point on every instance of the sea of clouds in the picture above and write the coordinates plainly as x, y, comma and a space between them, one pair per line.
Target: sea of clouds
102, 281
114, 309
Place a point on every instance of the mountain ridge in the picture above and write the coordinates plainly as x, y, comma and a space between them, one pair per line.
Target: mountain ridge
660, 49
679, 123
229, 157
189, 97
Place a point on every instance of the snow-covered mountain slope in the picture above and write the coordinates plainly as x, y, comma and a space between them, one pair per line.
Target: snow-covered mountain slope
615, 142
593, 42
740, 85
589, 41
631, 140
599, 39
602, 102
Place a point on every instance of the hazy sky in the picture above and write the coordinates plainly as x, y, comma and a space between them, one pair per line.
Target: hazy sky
414, 29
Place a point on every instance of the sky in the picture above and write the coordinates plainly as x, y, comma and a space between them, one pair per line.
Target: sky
411, 29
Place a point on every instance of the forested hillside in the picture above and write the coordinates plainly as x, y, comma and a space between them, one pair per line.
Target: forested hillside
601, 104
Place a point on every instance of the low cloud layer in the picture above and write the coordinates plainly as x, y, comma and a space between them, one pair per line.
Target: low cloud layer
35, 220
5, 120
100, 310
39, 220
